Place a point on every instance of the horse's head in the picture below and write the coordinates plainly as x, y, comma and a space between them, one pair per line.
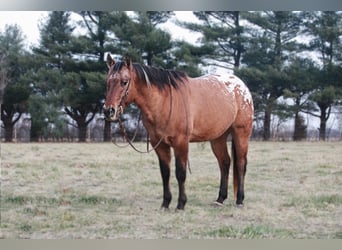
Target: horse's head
118, 81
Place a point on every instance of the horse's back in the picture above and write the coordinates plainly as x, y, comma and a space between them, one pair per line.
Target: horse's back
216, 103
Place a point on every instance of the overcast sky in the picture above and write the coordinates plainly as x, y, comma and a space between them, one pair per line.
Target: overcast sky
29, 21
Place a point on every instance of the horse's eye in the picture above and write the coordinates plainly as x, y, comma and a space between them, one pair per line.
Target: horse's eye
124, 83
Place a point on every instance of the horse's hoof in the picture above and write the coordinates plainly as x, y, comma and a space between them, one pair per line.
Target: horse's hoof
239, 205
179, 210
164, 209
217, 204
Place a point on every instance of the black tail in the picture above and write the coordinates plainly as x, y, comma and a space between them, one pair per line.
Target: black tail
235, 170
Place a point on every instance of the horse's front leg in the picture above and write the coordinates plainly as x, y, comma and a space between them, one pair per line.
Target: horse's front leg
164, 156
181, 156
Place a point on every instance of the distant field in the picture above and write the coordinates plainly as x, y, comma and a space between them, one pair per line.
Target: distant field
293, 190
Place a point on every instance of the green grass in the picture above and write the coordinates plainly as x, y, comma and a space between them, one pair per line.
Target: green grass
320, 202
67, 191
249, 232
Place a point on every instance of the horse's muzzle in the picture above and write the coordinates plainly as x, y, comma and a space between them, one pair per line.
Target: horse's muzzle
111, 114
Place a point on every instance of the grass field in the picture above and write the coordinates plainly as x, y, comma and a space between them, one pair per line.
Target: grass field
293, 190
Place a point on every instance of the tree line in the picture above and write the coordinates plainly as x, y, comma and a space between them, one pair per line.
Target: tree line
290, 60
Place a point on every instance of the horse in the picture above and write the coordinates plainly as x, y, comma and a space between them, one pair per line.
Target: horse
176, 110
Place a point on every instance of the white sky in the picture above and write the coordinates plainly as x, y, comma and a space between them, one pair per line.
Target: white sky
29, 21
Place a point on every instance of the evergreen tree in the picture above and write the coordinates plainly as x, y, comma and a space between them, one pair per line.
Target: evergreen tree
302, 73
53, 58
267, 51
44, 103
300, 132
3, 76
13, 65
83, 96
326, 29
223, 35
69, 57
100, 39
187, 57
141, 38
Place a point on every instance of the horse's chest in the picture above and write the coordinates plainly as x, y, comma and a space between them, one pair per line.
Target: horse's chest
159, 128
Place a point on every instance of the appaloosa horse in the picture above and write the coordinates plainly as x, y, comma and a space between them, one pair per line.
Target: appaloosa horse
177, 109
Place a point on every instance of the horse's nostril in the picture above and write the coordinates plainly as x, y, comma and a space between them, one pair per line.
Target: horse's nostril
109, 112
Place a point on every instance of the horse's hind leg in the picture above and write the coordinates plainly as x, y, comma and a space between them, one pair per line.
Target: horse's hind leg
239, 151
181, 156
219, 147
164, 156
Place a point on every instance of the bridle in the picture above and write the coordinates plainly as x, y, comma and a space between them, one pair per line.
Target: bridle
123, 130
123, 99
130, 141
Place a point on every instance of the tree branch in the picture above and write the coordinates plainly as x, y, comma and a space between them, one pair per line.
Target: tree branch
16, 119
92, 18
69, 113
329, 112
91, 118
310, 113
88, 26
75, 126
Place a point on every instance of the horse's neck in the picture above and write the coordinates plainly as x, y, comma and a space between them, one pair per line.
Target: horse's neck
155, 104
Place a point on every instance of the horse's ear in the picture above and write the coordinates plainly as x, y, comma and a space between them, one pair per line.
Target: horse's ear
110, 61
128, 62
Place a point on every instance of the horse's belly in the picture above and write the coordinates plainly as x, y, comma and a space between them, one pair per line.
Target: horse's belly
208, 134
212, 122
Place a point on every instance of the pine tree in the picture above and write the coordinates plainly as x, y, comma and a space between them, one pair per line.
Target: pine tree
98, 25
223, 37
268, 49
52, 59
66, 69
141, 38
302, 73
13, 65
300, 132
326, 29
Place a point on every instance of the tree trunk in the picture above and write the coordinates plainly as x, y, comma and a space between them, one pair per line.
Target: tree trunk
107, 131
82, 132
9, 121
8, 132
35, 132
300, 132
296, 136
267, 125
322, 125
237, 53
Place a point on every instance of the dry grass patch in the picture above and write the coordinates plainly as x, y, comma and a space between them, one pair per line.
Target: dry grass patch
293, 190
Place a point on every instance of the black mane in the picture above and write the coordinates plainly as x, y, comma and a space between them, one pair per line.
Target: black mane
160, 77
156, 76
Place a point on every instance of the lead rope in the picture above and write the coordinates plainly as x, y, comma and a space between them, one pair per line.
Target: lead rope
148, 150
130, 141
134, 135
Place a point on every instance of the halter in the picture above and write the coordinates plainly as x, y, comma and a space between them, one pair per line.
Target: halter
123, 99
130, 141
123, 130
